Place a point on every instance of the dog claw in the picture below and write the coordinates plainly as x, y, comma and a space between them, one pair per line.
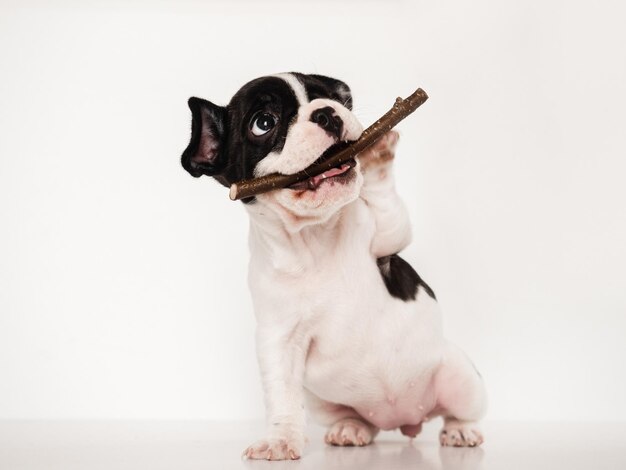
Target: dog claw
349, 432
460, 435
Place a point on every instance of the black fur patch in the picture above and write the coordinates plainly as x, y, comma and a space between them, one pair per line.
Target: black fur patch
401, 280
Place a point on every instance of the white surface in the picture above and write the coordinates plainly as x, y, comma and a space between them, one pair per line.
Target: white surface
122, 279
209, 445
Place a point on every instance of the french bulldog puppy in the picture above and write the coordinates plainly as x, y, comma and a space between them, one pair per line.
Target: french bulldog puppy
344, 324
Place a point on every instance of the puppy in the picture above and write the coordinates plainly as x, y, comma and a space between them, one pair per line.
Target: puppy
344, 324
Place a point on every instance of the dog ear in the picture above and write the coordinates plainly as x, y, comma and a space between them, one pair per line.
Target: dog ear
340, 90
205, 154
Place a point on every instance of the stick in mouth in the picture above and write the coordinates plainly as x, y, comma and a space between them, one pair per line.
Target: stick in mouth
314, 181
335, 158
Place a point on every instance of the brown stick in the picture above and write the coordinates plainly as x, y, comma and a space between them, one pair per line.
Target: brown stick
401, 109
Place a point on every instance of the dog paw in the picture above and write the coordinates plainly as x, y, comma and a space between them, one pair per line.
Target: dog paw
349, 432
380, 154
275, 449
460, 434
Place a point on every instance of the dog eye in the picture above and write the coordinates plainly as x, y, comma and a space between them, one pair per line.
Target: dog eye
262, 124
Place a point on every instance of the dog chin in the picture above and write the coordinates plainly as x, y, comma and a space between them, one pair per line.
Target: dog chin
316, 202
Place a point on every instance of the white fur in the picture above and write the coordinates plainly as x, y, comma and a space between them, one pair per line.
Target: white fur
329, 333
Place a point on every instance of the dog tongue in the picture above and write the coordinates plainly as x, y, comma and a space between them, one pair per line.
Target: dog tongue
315, 181
330, 173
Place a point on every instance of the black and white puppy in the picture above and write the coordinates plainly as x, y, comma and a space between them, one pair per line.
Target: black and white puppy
344, 323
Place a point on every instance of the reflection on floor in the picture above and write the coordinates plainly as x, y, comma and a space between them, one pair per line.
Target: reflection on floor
154, 445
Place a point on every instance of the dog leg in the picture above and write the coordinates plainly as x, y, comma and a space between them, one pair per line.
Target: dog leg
462, 399
393, 228
281, 359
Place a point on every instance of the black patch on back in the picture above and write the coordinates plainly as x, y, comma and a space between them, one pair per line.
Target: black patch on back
401, 280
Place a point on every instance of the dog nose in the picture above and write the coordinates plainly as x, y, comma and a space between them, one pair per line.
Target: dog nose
327, 120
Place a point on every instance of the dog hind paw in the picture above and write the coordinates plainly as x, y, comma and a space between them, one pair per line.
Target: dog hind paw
349, 432
459, 434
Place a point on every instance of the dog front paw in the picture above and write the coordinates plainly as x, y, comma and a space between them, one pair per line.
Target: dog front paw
375, 159
275, 449
460, 434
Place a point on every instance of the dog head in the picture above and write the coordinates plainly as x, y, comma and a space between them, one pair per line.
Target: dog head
283, 124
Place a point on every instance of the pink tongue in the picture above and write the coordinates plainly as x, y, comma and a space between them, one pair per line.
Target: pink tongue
330, 173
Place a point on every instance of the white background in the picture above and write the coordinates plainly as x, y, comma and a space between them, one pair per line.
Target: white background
122, 279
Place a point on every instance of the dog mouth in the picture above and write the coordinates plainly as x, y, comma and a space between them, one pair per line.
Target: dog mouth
339, 174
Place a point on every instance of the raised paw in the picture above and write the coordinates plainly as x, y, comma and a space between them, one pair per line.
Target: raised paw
378, 155
460, 434
349, 432
274, 449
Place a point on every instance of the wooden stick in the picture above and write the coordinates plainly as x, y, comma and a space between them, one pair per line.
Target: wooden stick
401, 109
